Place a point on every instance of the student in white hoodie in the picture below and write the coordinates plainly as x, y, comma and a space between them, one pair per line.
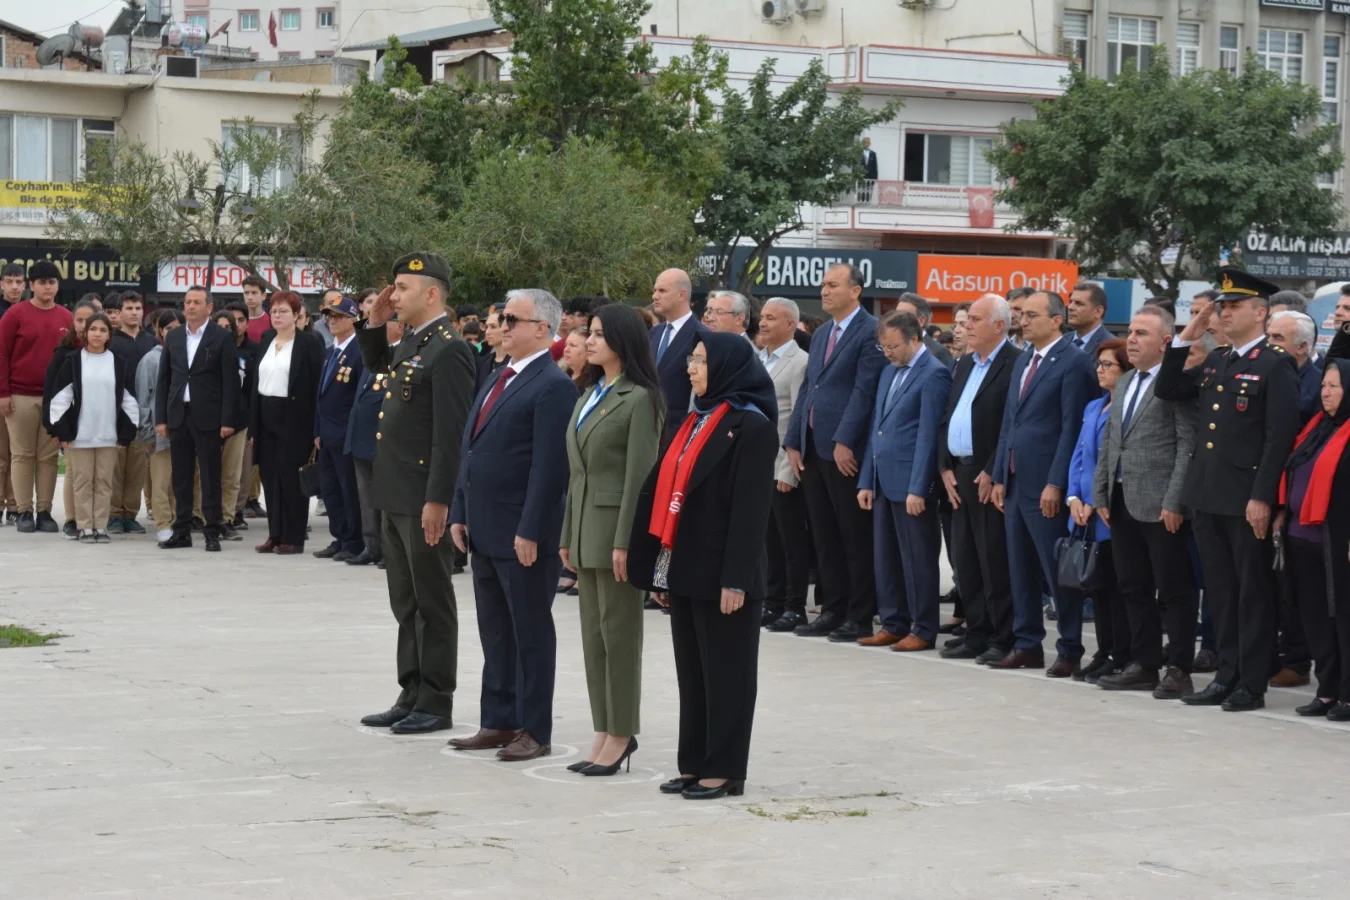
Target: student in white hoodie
92, 413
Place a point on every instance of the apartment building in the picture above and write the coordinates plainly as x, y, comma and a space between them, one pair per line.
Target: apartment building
271, 30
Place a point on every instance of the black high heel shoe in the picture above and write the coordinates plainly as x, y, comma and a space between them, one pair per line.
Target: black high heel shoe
594, 769
733, 787
677, 785
578, 766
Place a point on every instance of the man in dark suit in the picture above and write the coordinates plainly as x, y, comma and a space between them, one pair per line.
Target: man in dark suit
967, 441
898, 482
342, 371
1146, 448
1296, 332
1247, 422
671, 342
360, 444
1051, 384
508, 510
417, 459
922, 310
825, 442
870, 172
195, 404
1086, 312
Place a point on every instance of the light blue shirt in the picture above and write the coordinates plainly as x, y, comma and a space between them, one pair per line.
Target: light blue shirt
960, 436
843, 324
593, 400
769, 357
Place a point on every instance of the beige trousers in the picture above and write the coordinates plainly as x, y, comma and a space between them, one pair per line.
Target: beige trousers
232, 472
90, 472
33, 452
161, 490
6, 486
128, 480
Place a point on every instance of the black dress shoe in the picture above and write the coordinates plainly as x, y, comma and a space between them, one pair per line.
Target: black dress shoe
949, 627
954, 642
364, 558
1134, 678
1098, 665
180, 540
959, 651
1318, 707
417, 722
1062, 667
788, 621
649, 602
26, 523
212, 544
342, 556
991, 655
733, 787
1020, 659
385, 719
1213, 695
1339, 713
677, 785
1243, 700
849, 632
327, 552
380, 563
45, 523
821, 627
1206, 661
769, 616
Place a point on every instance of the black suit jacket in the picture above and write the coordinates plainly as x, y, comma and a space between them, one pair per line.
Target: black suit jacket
302, 395
986, 413
870, 164
724, 519
940, 353
213, 377
674, 372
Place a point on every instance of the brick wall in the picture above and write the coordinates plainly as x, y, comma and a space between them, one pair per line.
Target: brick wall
21, 50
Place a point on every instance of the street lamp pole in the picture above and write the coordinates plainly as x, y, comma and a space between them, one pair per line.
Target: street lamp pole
215, 225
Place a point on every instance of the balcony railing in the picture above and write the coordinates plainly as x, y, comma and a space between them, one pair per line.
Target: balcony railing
915, 195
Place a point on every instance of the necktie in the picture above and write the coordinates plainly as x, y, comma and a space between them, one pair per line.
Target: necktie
1134, 403
1031, 373
895, 389
1079, 342
332, 361
665, 342
503, 377
834, 339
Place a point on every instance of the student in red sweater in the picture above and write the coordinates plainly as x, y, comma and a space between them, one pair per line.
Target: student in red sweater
29, 333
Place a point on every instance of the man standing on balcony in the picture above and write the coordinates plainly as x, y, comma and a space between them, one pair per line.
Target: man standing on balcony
869, 172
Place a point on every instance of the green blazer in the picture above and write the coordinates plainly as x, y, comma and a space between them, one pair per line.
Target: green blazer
610, 457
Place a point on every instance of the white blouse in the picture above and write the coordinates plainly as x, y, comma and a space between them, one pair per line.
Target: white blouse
274, 372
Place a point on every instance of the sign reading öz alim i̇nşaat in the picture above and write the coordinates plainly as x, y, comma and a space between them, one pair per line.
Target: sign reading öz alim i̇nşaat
1296, 256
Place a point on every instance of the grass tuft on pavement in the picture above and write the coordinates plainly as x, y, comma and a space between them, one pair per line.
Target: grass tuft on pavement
18, 636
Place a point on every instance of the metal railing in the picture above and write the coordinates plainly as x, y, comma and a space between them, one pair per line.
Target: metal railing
913, 195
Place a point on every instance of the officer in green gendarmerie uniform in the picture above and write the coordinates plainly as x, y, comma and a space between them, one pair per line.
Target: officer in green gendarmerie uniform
417, 454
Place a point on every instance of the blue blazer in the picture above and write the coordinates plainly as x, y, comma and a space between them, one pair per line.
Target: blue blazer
1042, 429
1093, 342
1084, 463
365, 418
674, 372
337, 394
842, 391
902, 451
513, 475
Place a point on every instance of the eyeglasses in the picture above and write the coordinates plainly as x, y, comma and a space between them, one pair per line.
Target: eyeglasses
1104, 364
691, 360
709, 313
511, 320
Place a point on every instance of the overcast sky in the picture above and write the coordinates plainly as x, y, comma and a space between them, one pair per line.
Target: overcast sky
51, 17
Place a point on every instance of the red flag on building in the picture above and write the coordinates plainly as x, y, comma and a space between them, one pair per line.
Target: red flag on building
981, 202
272, 29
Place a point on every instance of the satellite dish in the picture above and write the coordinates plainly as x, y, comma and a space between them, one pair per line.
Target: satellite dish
51, 51
87, 37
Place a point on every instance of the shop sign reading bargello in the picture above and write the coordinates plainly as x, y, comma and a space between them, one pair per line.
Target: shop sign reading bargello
798, 272
1276, 256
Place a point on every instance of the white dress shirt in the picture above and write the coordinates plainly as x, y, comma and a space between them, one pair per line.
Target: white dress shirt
1134, 387
194, 340
519, 367
1026, 373
274, 370
676, 325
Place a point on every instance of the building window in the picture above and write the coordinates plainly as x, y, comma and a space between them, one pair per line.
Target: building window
323, 54
42, 148
1281, 52
956, 159
1188, 47
290, 20
1076, 36
1331, 96
323, 18
201, 20
1230, 49
248, 20
240, 178
1129, 44
289, 54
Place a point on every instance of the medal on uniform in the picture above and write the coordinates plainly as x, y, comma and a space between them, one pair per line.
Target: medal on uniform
1242, 404
407, 392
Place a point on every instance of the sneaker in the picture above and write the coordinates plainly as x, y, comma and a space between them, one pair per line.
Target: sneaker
71, 532
163, 534
239, 524
227, 533
116, 526
101, 536
132, 526
25, 523
198, 525
46, 524
253, 509
9, 517
85, 537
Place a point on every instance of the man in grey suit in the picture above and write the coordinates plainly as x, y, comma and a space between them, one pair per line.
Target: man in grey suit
1087, 310
1141, 468
785, 603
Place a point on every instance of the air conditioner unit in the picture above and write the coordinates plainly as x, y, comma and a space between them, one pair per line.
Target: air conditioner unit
182, 66
776, 11
810, 7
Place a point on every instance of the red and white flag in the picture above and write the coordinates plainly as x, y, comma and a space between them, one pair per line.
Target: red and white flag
272, 29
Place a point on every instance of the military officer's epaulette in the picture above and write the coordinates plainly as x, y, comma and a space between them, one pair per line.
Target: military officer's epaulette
1276, 347
1223, 348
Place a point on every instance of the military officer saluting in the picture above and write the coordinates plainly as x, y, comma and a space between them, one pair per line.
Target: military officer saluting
1248, 394
417, 455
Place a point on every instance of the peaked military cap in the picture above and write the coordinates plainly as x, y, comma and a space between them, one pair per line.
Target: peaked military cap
421, 263
1235, 284
342, 306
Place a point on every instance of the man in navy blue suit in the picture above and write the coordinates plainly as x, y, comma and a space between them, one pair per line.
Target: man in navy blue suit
672, 341
1051, 384
826, 440
508, 511
1086, 312
342, 371
899, 481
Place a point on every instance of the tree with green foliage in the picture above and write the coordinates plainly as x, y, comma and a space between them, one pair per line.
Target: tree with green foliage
577, 221
1151, 162
783, 150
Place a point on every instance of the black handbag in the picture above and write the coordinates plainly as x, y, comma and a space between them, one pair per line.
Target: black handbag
309, 477
1076, 561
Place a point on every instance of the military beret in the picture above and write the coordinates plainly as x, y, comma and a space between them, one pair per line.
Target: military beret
421, 263
44, 268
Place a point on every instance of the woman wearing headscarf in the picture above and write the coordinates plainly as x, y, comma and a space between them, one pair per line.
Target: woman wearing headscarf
1315, 494
698, 545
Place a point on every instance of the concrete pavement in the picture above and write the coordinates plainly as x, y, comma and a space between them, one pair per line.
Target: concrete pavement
196, 736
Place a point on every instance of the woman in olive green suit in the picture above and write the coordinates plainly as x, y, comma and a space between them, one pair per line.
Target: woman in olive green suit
612, 443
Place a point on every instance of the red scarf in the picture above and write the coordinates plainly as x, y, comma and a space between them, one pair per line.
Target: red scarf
676, 468
1315, 502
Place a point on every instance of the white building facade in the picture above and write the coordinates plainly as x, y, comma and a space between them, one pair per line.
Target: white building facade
302, 31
